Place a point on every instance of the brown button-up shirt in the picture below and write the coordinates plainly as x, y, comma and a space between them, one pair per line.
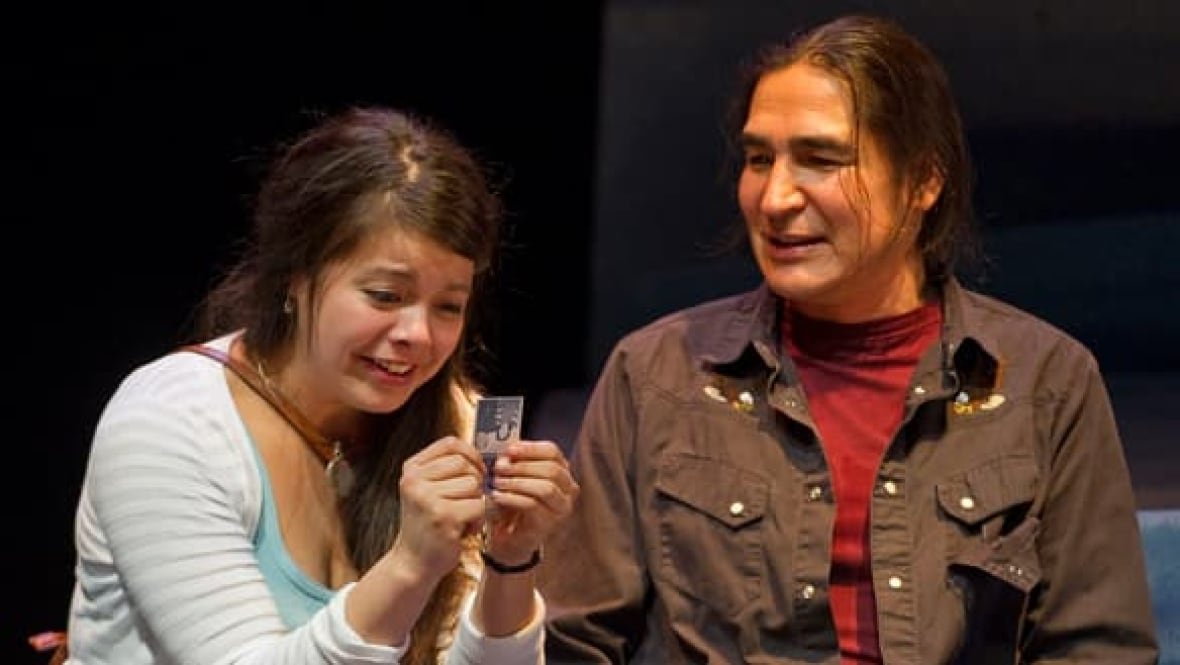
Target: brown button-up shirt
1002, 524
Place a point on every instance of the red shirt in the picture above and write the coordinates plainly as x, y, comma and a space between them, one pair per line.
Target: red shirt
855, 377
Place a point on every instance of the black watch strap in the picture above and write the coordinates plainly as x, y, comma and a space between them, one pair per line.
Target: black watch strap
506, 569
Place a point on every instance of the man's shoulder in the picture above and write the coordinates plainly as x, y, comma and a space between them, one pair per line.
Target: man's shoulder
1017, 331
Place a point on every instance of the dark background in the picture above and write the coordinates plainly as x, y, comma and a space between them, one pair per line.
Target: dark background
134, 138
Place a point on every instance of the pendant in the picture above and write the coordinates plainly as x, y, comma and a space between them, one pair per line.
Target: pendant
339, 471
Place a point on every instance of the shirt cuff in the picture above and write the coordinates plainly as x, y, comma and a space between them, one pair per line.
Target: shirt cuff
344, 642
524, 647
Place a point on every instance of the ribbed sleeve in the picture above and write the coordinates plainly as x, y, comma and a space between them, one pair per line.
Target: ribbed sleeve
166, 567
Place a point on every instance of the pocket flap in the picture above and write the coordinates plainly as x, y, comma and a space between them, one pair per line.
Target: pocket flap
988, 489
731, 495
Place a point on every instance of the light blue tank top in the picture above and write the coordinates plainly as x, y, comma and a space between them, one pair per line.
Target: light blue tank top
296, 595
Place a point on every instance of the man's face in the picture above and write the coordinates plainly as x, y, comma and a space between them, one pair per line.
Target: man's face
826, 221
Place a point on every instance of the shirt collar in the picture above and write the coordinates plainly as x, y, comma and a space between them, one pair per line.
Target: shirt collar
969, 343
752, 322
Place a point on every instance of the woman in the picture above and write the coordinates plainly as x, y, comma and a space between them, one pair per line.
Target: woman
214, 529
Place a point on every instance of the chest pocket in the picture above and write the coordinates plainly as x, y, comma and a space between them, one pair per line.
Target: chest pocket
991, 553
711, 517
989, 526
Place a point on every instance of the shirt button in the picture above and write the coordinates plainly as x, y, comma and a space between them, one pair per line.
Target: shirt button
737, 508
815, 493
967, 503
890, 487
919, 390
807, 592
895, 582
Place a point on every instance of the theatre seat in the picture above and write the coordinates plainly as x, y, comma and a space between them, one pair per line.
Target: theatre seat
1161, 541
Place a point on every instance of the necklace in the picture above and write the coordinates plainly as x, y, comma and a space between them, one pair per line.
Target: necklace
330, 452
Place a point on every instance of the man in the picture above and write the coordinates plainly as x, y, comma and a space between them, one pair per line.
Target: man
860, 461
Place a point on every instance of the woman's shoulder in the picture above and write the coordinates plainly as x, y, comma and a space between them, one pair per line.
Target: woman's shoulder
173, 419
177, 400
177, 380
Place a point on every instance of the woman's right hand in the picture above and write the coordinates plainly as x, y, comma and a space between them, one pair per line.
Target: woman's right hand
441, 503
441, 491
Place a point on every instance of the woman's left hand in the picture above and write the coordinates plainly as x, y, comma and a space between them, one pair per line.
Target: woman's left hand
533, 490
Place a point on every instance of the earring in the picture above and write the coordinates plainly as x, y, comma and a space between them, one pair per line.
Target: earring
288, 305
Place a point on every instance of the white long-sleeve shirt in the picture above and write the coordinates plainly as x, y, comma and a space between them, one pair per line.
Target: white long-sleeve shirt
166, 570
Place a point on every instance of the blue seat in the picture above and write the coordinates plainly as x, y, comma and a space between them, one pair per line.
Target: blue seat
1161, 543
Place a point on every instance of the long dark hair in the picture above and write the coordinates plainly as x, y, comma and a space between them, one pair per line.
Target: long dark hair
901, 95
315, 206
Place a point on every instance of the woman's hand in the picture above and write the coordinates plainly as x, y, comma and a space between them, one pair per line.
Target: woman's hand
441, 502
533, 490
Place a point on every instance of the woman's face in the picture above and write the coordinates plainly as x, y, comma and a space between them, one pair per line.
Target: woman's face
826, 224
386, 321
